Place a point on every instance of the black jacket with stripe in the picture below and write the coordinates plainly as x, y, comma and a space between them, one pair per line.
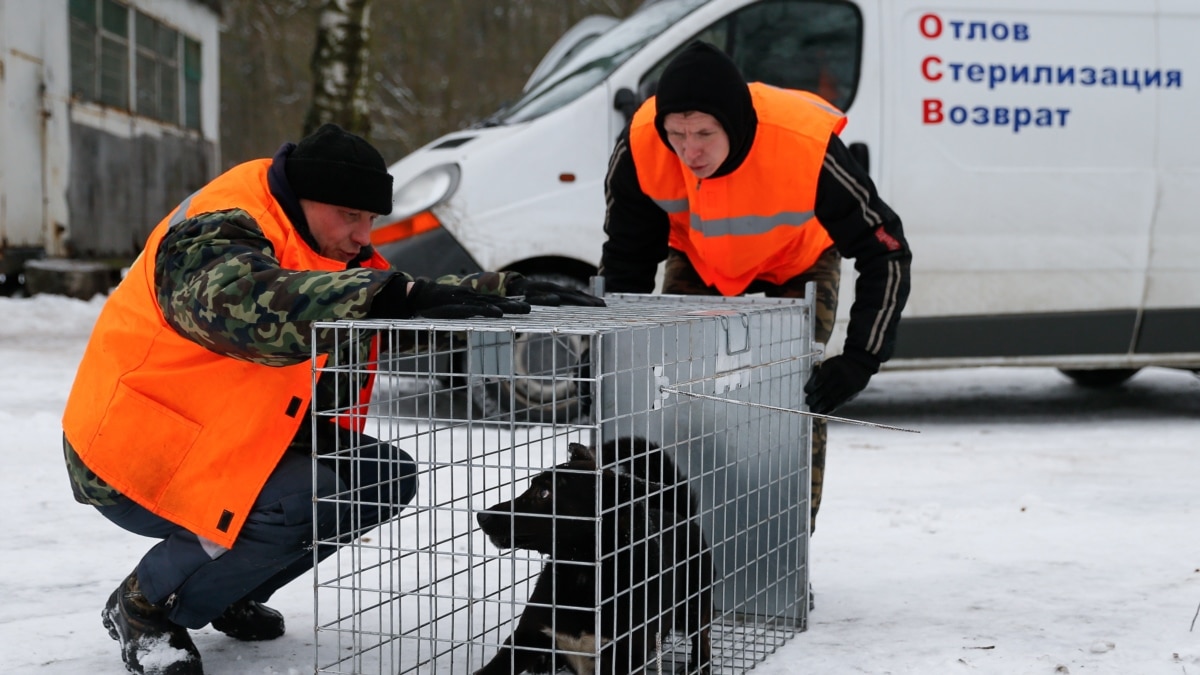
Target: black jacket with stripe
848, 206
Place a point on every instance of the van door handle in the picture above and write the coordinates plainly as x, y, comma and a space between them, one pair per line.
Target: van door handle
861, 154
626, 102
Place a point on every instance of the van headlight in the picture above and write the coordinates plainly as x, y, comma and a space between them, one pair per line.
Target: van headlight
425, 191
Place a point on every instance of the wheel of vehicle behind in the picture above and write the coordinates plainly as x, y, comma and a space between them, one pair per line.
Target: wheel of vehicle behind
549, 379
548, 383
547, 372
11, 284
1099, 379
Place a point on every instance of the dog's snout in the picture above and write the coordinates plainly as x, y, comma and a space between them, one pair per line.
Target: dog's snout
483, 517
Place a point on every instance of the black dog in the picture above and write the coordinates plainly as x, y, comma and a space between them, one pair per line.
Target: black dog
655, 567
662, 480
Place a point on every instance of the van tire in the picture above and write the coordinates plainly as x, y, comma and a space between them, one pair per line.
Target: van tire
1099, 379
564, 398
548, 397
12, 284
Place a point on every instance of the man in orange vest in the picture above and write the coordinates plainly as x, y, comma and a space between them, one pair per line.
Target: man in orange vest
188, 419
746, 189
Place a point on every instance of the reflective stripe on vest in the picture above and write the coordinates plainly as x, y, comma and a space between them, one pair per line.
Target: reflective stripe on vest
180, 213
672, 205
746, 225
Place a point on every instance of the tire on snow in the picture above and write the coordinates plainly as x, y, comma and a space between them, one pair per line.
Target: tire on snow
1100, 378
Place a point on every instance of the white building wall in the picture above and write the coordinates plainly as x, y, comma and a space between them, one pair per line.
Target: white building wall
31, 139
51, 181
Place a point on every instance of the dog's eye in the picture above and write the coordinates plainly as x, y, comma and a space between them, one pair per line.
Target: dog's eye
544, 494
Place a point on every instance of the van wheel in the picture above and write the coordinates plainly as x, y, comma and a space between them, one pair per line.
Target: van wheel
549, 375
1099, 379
12, 284
548, 383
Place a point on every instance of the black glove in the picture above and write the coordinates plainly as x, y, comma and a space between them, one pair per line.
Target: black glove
550, 294
437, 301
444, 301
838, 380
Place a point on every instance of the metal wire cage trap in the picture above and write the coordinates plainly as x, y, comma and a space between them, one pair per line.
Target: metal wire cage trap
488, 408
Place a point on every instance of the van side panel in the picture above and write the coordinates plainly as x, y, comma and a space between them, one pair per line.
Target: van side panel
1172, 317
1026, 174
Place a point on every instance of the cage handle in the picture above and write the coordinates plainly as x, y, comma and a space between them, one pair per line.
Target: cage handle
729, 349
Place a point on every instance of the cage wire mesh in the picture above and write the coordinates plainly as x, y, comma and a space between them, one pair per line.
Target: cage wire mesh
688, 528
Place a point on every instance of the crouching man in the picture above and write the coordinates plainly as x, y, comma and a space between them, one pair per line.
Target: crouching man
188, 420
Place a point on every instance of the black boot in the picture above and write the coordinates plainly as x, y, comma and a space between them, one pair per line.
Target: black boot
151, 644
250, 621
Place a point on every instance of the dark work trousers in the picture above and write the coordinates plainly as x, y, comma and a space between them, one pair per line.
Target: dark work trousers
681, 278
196, 580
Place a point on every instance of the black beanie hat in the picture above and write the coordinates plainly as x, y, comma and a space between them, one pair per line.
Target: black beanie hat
702, 78
333, 166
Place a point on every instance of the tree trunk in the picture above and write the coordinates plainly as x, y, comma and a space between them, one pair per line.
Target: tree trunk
340, 67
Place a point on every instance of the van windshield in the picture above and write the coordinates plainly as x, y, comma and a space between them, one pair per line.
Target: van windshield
594, 62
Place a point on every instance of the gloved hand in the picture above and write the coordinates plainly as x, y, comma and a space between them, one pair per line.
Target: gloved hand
550, 294
444, 301
838, 380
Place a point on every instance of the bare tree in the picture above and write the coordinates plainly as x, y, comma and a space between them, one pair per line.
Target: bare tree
265, 80
434, 66
340, 66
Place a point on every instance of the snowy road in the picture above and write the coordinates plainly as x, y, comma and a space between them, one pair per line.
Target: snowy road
1032, 527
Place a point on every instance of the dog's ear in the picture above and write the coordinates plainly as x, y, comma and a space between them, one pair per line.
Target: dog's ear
580, 452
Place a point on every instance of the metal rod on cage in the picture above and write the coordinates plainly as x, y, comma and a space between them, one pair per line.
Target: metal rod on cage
658, 652
756, 366
832, 418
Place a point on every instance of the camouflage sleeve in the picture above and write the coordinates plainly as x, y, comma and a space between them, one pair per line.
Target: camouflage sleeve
490, 283
221, 286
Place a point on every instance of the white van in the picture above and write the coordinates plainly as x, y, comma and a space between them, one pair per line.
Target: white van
1043, 155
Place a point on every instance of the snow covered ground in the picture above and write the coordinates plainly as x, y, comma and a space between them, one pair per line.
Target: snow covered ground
1032, 527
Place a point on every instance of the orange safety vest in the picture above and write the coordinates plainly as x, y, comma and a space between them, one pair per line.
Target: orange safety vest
756, 222
187, 433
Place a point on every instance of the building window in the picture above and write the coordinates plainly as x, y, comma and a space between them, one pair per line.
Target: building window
191, 83
100, 51
164, 80
157, 69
